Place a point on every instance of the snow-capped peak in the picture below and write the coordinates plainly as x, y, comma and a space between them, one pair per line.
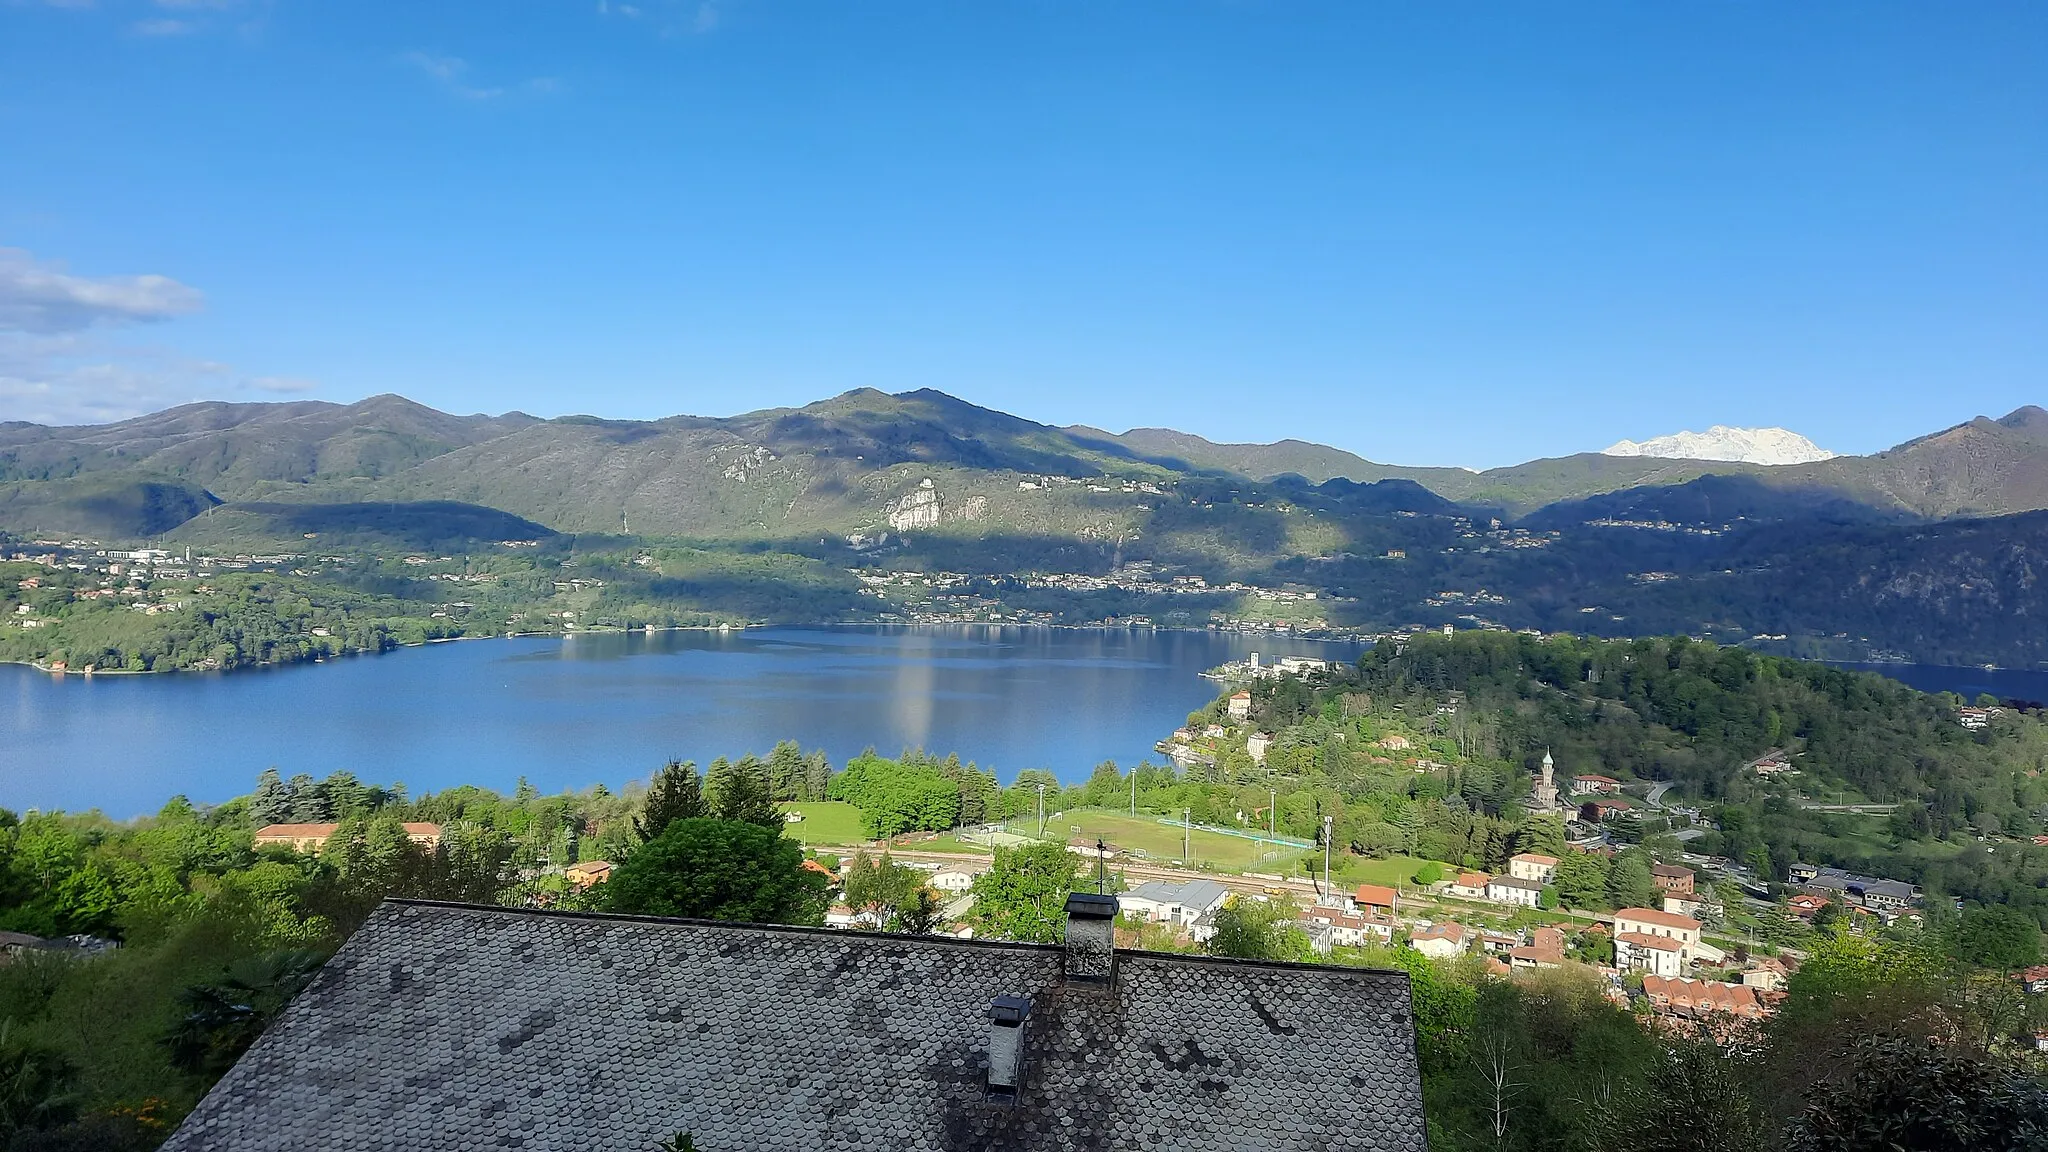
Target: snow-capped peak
1746, 445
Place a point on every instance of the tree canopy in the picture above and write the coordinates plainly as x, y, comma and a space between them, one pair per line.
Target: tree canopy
713, 869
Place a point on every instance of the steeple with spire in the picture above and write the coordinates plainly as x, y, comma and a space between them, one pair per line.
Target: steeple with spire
1544, 798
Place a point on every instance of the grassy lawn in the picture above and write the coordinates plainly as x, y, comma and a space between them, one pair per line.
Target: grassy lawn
1394, 871
1162, 842
825, 822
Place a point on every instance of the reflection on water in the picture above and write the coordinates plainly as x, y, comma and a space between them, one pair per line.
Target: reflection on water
608, 708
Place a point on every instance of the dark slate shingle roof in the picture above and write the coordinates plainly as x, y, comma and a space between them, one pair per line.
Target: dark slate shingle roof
450, 1026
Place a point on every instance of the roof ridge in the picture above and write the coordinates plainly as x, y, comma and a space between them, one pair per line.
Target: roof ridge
895, 937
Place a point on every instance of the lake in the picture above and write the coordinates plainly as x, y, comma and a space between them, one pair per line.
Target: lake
568, 713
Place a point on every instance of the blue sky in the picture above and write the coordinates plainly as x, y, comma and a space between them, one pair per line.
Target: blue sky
1446, 233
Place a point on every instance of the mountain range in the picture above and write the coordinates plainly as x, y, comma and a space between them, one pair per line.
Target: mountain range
1592, 541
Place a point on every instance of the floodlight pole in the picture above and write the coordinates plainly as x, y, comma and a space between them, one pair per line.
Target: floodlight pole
1041, 811
1327, 822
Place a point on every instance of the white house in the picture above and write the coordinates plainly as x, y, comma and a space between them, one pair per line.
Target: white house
1171, 903
1533, 866
1470, 885
1440, 941
952, 880
1336, 927
1240, 705
1514, 890
1256, 745
1658, 943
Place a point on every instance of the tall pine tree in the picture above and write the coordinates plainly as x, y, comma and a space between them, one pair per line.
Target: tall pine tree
272, 803
675, 794
738, 790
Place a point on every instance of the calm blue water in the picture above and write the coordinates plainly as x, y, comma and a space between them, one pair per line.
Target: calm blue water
590, 709
2004, 683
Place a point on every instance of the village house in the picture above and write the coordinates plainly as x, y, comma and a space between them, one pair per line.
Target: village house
1165, 902
1773, 764
1440, 941
588, 873
1607, 807
1377, 896
1470, 885
1806, 905
1513, 890
1702, 999
952, 880
1976, 719
1544, 950
1396, 743
1534, 867
1673, 879
1767, 973
1492, 940
1239, 706
1658, 943
1655, 955
1256, 744
1690, 906
313, 837
1328, 927
746, 1047
1591, 785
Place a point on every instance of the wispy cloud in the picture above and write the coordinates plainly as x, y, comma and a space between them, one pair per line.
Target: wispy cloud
284, 384
66, 359
452, 73
162, 27
39, 296
706, 19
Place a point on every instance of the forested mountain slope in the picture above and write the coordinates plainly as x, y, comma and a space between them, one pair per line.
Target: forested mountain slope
1964, 803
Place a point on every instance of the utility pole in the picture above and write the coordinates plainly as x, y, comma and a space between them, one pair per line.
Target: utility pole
1327, 822
1187, 835
1273, 815
1134, 791
1041, 811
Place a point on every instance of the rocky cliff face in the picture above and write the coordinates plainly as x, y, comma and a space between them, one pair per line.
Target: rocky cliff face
1739, 445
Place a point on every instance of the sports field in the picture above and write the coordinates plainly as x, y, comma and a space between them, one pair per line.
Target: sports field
1162, 842
824, 822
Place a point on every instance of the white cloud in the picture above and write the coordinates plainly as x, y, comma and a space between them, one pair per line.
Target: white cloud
284, 384
62, 360
161, 27
77, 380
706, 19
450, 71
38, 296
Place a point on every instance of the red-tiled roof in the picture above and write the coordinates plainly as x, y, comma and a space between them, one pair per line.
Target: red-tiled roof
1645, 940
1537, 858
1652, 916
1377, 895
1702, 995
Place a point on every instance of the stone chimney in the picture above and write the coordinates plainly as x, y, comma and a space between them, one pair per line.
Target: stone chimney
1006, 1017
1091, 938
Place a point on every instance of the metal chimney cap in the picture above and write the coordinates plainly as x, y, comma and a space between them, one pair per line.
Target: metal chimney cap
1090, 906
1009, 1009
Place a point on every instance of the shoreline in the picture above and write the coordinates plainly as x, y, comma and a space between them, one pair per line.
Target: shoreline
651, 629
